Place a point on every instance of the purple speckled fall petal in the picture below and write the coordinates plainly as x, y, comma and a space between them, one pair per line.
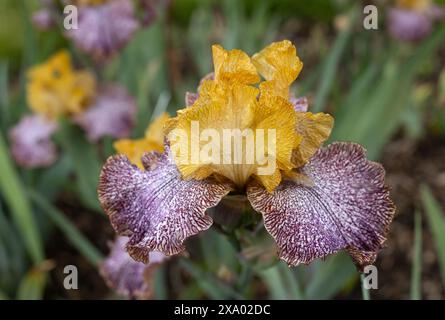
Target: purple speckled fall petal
31, 145
127, 277
156, 208
347, 206
300, 104
112, 113
104, 29
408, 25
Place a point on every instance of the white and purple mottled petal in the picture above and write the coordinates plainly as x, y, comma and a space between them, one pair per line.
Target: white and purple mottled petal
31, 145
112, 114
104, 29
300, 104
347, 206
408, 25
156, 207
126, 276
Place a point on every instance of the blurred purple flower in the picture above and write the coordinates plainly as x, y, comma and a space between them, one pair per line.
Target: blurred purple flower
43, 19
30, 141
414, 24
409, 25
126, 276
112, 113
104, 29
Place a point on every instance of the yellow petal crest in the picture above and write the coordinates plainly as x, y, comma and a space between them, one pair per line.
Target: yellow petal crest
155, 131
233, 66
135, 149
279, 64
256, 115
237, 109
314, 130
152, 141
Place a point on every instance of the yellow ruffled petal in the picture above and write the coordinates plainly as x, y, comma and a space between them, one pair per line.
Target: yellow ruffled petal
270, 182
233, 66
233, 110
314, 130
155, 131
278, 114
235, 107
274, 88
279, 64
135, 149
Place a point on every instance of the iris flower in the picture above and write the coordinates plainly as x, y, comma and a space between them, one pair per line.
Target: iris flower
128, 277
104, 26
112, 113
317, 201
31, 145
412, 20
55, 88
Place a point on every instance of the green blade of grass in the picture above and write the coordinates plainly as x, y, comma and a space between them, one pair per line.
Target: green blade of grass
274, 282
13, 260
386, 103
85, 160
282, 282
210, 285
54, 178
436, 221
13, 192
416, 271
332, 276
4, 94
365, 292
330, 66
77, 239
32, 285
3, 296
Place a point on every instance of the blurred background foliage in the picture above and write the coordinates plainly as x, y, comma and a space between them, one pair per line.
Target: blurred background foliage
387, 95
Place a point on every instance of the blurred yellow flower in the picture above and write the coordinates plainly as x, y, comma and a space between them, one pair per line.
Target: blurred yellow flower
153, 140
231, 101
54, 88
417, 5
90, 2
